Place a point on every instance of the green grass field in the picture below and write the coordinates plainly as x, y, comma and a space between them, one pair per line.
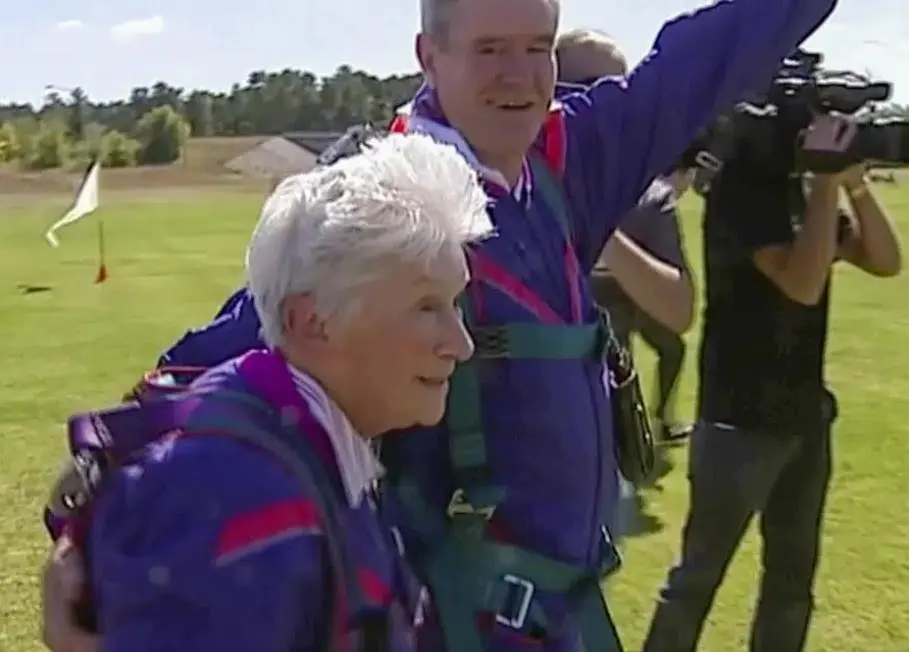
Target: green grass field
68, 344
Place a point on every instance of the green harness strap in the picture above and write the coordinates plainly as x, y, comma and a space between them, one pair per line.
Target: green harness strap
466, 572
464, 415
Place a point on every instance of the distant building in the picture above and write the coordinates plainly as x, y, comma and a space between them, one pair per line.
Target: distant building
283, 155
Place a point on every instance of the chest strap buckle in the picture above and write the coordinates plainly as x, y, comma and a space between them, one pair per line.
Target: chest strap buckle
517, 600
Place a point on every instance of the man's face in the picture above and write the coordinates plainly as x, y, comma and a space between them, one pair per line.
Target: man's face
394, 357
495, 73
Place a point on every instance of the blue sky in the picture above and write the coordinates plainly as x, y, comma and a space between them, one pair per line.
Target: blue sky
110, 46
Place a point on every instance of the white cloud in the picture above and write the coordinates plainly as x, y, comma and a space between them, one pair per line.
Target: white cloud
70, 25
137, 28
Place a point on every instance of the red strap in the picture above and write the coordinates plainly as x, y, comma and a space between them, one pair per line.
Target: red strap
491, 273
398, 124
553, 142
251, 531
552, 146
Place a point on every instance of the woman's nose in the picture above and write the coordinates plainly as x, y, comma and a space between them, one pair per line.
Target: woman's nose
458, 343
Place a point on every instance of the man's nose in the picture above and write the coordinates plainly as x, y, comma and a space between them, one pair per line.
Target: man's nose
516, 67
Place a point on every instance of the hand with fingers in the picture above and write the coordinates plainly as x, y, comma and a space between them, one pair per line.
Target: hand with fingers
825, 146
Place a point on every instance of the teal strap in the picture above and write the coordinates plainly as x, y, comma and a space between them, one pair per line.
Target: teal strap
464, 416
540, 341
552, 193
513, 576
467, 444
453, 593
465, 572
598, 630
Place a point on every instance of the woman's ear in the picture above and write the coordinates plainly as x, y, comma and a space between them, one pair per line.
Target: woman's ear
299, 319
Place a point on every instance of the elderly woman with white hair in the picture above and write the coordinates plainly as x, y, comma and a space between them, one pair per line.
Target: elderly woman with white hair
250, 525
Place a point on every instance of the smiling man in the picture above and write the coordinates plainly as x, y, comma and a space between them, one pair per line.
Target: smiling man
506, 503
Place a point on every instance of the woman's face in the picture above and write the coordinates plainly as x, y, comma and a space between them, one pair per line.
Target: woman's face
398, 351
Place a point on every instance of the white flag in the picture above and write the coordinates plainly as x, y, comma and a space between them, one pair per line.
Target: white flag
86, 202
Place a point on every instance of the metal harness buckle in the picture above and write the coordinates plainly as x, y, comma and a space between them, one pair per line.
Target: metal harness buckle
460, 506
490, 342
708, 161
518, 596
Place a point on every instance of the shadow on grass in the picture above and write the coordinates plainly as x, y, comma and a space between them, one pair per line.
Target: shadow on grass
637, 520
26, 289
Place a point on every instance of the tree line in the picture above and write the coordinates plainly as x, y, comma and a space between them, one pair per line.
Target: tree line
151, 126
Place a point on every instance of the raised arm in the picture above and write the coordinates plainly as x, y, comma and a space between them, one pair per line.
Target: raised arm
873, 244
624, 131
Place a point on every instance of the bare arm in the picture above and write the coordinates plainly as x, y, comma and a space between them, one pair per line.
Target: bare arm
800, 269
873, 245
664, 292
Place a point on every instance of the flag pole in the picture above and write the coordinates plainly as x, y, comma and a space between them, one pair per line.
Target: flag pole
102, 265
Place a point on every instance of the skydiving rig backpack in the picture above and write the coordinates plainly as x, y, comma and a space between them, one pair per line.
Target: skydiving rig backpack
467, 572
102, 440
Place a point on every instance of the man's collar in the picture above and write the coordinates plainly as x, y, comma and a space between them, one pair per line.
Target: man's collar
411, 121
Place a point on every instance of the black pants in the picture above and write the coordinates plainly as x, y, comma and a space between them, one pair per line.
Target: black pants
733, 475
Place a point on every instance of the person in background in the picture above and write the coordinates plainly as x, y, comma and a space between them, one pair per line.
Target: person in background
762, 444
211, 542
642, 276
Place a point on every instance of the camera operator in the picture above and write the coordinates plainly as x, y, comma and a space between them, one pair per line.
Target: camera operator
642, 276
762, 442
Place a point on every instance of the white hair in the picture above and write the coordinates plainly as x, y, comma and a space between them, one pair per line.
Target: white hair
331, 231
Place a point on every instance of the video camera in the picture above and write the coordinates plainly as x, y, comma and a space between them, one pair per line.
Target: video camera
763, 131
